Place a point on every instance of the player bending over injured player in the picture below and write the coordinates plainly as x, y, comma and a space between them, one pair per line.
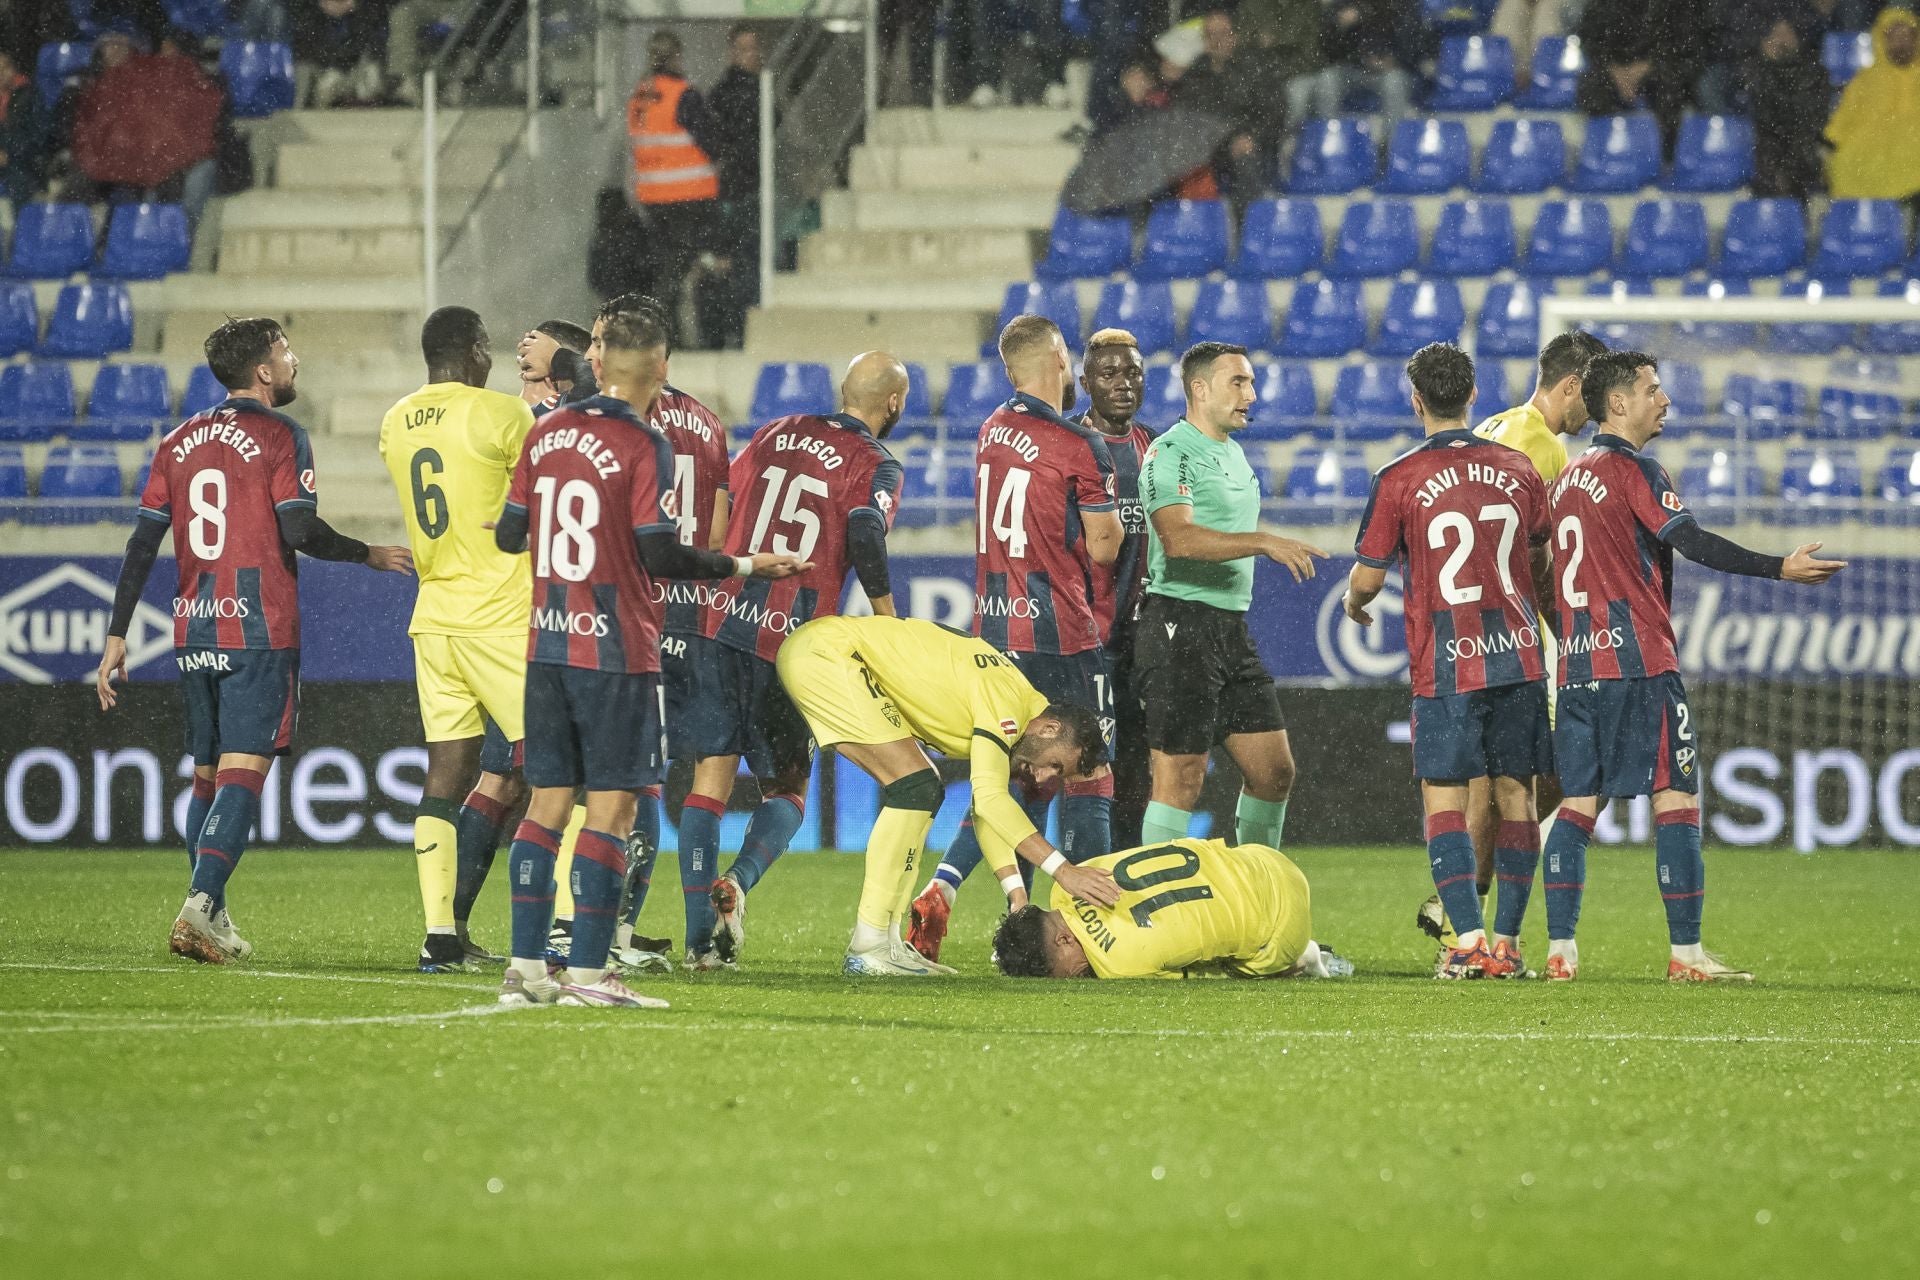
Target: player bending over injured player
1189, 908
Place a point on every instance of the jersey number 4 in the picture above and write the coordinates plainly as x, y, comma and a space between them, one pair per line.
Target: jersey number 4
1009, 519
1130, 874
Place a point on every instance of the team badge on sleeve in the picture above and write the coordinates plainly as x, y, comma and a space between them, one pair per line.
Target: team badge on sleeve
1671, 501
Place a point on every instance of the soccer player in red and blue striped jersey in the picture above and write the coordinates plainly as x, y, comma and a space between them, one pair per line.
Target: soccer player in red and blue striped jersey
1624, 727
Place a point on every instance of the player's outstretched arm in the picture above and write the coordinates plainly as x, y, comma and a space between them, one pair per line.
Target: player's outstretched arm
1803, 566
664, 556
1185, 540
1726, 556
1104, 533
302, 529
1363, 584
143, 548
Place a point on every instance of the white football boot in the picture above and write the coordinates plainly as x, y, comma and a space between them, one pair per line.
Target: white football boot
608, 991
236, 947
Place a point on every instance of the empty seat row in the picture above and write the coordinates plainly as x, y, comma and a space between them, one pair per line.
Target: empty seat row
259, 74
143, 242
89, 321
79, 484
127, 401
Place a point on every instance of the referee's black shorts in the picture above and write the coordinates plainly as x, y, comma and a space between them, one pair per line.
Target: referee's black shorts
1198, 677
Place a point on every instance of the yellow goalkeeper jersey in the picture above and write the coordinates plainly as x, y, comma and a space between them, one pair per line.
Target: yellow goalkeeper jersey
451, 450
1191, 908
1525, 428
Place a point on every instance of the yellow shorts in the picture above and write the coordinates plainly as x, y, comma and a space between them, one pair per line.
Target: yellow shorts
1294, 927
834, 690
460, 676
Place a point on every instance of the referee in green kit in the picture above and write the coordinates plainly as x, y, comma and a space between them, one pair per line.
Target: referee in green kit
1201, 682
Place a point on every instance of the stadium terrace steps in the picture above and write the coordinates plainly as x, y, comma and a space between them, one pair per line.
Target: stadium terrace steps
975, 291
960, 251
962, 167
342, 233
833, 334
995, 126
858, 210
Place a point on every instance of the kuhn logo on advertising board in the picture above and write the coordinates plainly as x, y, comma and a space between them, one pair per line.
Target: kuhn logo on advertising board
54, 627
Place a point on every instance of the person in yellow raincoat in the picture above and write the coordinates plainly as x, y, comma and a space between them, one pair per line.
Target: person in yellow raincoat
1875, 131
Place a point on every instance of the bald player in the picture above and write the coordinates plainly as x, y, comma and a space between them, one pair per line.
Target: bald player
824, 489
1539, 428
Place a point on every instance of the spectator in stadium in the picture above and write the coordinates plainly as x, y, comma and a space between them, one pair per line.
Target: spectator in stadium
1525, 23
1641, 55
258, 20
1226, 83
1286, 35
112, 48
23, 142
734, 103
1786, 94
1011, 49
1875, 131
338, 47
1376, 45
144, 130
674, 185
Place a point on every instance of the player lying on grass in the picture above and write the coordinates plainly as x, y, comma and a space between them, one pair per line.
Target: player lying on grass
875, 689
1189, 908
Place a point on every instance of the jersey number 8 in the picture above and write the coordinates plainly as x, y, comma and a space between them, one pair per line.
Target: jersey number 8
207, 496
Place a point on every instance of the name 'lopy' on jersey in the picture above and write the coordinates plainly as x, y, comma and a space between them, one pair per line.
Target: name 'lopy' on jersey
1034, 474
797, 485
1461, 515
699, 441
591, 476
219, 479
1611, 509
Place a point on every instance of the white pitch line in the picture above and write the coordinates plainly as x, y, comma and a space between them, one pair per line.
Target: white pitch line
425, 982
221, 1022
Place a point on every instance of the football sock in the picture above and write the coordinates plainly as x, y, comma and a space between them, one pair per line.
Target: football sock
894, 849
1086, 819
198, 803
236, 802
599, 868
1566, 875
699, 850
1683, 873
961, 857
1450, 851
531, 861
477, 836
646, 826
1258, 821
436, 858
563, 866
1163, 823
1516, 856
768, 834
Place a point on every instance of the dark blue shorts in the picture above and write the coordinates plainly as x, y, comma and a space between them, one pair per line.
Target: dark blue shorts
733, 704
1626, 738
1083, 678
239, 701
675, 683
1489, 733
497, 755
594, 729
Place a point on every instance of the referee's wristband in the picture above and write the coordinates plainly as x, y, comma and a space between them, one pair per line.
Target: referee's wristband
742, 567
1054, 862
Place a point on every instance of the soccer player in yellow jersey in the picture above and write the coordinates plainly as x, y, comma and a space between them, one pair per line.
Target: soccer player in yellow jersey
451, 447
1536, 429
875, 689
1187, 908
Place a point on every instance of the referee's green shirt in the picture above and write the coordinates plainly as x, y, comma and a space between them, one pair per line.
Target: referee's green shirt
1185, 466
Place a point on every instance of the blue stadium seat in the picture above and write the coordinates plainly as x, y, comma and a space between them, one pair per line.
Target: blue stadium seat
1665, 238
1371, 401
1474, 238
1489, 388
1860, 238
1769, 407
127, 402
1554, 75
58, 61
259, 76
1427, 157
79, 485
1719, 480
1714, 153
1509, 320
1324, 486
1847, 413
1163, 399
1279, 238
1333, 157
1085, 244
1623, 335
1618, 154
784, 389
89, 321
1324, 318
1522, 157
51, 241
1715, 335
1845, 54
145, 242
1144, 309
1570, 238
202, 18
1899, 488
1233, 311
974, 391
1419, 312
1811, 339
921, 481
1285, 400
36, 400
1763, 238
13, 482
1377, 238
19, 318
919, 407
1882, 339
203, 392
1185, 238
1820, 483
1054, 299
1685, 385
1474, 73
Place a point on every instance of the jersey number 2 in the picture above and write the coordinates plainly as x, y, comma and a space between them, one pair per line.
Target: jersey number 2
1127, 873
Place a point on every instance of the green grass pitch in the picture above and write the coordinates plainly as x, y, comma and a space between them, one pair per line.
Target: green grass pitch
324, 1112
